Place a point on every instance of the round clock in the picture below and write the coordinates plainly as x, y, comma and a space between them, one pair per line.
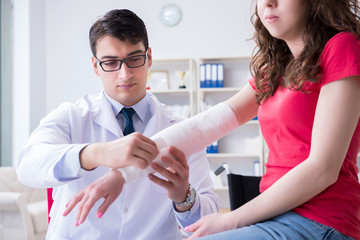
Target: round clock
170, 15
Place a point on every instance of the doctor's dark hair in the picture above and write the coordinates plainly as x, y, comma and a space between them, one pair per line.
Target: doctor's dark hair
273, 60
122, 24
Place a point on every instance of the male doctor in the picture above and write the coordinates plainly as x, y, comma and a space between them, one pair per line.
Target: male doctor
81, 144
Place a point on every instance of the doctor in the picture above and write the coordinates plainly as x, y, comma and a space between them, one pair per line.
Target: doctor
78, 145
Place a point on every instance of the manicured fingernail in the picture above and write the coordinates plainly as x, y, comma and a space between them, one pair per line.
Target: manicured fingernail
76, 224
154, 166
64, 213
100, 214
80, 222
67, 205
186, 228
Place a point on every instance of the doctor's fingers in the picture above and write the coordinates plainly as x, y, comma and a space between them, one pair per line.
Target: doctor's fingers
139, 159
178, 166
174, 172
179, 156
139, 149
176, 180
141, 137
136, 138
125, 155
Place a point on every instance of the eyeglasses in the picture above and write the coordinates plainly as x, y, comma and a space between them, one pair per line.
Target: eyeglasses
131, 62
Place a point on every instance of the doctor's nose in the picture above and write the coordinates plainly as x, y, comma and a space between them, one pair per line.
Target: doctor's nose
124, 72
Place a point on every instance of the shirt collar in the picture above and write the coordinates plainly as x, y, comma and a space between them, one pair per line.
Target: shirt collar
140, 107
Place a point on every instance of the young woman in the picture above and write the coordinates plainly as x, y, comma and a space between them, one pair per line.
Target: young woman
307, 86
306, 94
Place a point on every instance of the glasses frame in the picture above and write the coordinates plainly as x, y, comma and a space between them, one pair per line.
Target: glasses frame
121, 62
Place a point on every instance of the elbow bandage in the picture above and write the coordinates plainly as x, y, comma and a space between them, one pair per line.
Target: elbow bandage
190, 136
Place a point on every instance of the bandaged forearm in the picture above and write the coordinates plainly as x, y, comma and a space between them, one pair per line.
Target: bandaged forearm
190, 136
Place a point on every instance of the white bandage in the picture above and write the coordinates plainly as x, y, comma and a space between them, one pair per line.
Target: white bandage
190, 136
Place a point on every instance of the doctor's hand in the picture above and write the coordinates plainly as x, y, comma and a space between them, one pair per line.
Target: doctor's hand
134, 149
108, 187
176, 176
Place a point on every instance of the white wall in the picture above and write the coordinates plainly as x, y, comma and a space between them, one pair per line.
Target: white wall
55, 37
21, 76
207, 29
6, 82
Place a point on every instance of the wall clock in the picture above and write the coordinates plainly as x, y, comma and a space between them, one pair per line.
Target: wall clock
170, 15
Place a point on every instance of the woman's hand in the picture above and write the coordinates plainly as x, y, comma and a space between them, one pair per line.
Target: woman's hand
108, 187
210, 224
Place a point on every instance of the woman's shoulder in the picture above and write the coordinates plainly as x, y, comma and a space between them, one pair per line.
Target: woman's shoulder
340, 46
343, 39
340, 57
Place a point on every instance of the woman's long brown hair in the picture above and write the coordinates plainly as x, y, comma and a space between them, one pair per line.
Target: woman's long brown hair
272, 60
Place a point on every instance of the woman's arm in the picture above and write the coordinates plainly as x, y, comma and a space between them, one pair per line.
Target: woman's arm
244, 104
336, 117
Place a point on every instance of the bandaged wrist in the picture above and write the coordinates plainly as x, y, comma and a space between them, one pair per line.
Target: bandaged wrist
189, 136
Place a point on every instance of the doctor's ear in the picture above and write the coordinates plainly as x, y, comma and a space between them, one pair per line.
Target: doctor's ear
95, 65
149, 55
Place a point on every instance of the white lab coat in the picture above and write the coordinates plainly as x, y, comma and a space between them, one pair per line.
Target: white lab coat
142, 211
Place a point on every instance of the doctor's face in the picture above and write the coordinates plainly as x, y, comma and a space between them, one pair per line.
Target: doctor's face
126, 85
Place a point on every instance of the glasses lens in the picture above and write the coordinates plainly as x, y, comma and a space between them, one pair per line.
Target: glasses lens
135, 61
111, 65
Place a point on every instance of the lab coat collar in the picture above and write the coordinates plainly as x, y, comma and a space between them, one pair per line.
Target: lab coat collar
102, 114
141, 107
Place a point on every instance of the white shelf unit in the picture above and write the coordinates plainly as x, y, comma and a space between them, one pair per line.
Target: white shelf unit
173, 95
236, 75
243, 147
